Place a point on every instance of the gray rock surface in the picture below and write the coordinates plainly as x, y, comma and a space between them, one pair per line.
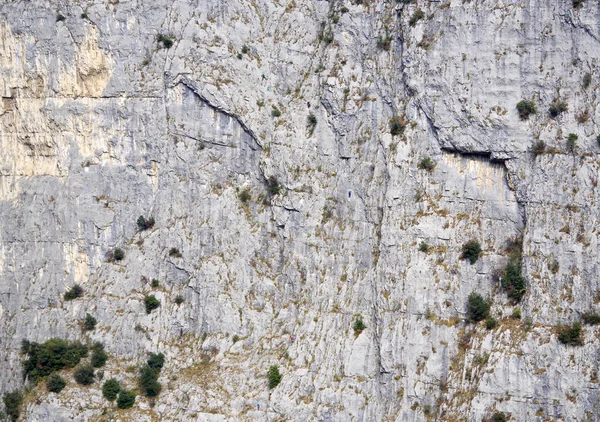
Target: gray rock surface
100, 123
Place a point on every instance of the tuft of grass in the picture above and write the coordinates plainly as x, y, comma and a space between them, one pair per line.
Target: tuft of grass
427, 163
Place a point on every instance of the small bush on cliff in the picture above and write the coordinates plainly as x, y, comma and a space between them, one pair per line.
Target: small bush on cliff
358, 325
151, 303
570, 334
84, 374
89, 323
55, 383
75, 292
175, 252
145, 224
12, 402
273, 186
166, 40
539, 148
156, 361
397, 125
427, 164
572, 141
149, 384
274, 376
557, 108
526, 108
478, 308
513, 282
111, 389
471, 251
591, 318
99, 356
118, 254
416, 17
311, 123
126, 399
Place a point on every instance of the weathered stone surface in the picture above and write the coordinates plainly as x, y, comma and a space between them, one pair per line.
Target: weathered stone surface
99, 124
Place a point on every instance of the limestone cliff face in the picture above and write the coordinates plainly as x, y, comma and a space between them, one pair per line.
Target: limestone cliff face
100, 123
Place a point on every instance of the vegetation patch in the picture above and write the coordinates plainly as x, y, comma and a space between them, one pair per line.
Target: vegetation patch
571, 335
55, 383
274, 376
144, 223
478, 308
526, 108
471, 251
51, 356
126, 399
151, 303
74, 292
111, 389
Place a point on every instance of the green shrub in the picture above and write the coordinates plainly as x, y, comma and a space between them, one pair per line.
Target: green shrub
423, 247
245, 49
118, 254
311, 123
55, 383
145, 224
275, 112
89, 323
126, 399
587, 80
166, 41
572, 141
99, 356
478, 308
591, 318
491, 323
273, 186
274, 376
111, 389
513, 282
154, 283
539, 148
149, 384
471, 251
12, 402
358, 325
174, 252
525, 108
557, 108
570, 334
235, 338
156, 361
245, 195
416, 17
179, 299
60, 18
516, 313
84, 374
427, 164
51, 356
397, 125
578, 3
384, 42
75, 292
151, 303
499, 417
